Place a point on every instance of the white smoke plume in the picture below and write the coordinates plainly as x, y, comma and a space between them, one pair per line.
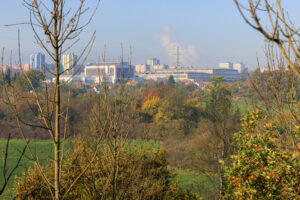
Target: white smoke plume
189, 52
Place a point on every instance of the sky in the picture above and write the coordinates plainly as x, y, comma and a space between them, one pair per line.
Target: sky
207, 31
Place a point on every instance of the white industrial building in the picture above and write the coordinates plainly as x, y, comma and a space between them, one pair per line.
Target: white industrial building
159, 67
226, 65
122, 72
239, 66
142, 68
229, 75
202, 75
109, 73
116, 72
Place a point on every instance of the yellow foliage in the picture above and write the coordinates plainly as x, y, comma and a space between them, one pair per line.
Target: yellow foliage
192, 102
150, 106
165, 112
161, 117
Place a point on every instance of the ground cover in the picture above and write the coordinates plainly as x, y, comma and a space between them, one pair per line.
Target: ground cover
42, 148
196, 182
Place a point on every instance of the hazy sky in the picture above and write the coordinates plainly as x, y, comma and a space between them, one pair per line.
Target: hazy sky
208, 31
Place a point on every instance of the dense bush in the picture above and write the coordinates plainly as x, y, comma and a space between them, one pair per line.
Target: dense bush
36, 77
142, 173
260, 170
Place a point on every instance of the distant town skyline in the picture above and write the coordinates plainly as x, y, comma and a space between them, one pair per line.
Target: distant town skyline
208, 32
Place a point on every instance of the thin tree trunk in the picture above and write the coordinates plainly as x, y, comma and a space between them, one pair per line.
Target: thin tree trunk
115, 170
57, 128
221, 175
58, 27
223, 156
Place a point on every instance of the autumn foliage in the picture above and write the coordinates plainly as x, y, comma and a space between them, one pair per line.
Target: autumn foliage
142, 174
260, 170
165, 104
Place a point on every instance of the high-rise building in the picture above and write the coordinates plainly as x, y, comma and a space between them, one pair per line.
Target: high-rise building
69, 63
240, 67
226, 65
37, 61
153, 61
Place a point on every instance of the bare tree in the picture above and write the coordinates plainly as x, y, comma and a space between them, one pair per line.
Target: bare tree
111, 120
277, 89
223, 121
279, 28
271, 19
56, 29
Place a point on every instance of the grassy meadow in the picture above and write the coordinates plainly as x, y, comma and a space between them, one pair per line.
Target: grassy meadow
42, 148
195, 182
188, 180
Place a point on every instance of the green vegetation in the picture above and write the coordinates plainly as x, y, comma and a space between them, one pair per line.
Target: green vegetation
190, 180
36, 77
143, 144
195, 127
42, 148
187, 180
242, 106
124, 141
143, 166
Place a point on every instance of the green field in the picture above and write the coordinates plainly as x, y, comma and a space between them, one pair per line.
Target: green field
42, 148
242, 106
195, 182
188, 180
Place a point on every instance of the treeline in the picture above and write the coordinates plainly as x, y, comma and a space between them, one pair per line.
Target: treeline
196, 129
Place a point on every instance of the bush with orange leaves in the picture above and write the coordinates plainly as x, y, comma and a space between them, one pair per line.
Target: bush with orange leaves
261, 170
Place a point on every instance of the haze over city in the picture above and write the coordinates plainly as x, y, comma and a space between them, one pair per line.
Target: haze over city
209, 32
149, 99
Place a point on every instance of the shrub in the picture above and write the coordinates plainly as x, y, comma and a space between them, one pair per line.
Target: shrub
142, 173
260, 170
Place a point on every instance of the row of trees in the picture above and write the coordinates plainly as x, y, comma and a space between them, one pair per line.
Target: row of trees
19, 79
202, 138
